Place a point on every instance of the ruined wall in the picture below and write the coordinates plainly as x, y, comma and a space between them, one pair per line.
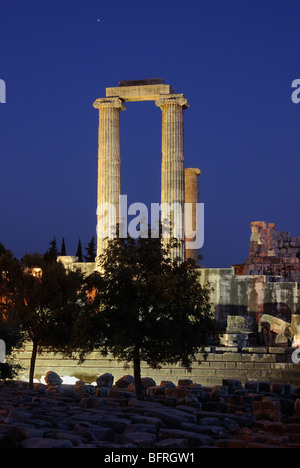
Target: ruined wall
264, 364
251, 295
272, 253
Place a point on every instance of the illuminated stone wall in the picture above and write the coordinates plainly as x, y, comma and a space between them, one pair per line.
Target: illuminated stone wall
272, 253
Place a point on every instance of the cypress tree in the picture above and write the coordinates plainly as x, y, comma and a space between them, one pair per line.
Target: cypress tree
52, 253
90, 251
63, 250
79, 251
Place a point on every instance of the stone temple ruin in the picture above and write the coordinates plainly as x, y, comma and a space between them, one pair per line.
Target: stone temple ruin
178, 185
264, 286
256, 303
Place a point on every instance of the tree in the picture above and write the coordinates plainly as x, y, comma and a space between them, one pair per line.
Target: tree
79, 251
90, 251
146, 307
2, 249
42, 305
12, 336
63, 250
52, 253
10, 330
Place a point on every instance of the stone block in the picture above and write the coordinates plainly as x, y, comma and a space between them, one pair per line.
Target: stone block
148, 382
139, 439
156, 391
167, 383
193, 439
271, 427
172, 443
184, 382
230, 443
252, 386
40, 442
139, 92
267, 409
125, 381
105, 380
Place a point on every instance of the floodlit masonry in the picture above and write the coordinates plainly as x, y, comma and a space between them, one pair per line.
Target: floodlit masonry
173, 176
256, 303
249, 296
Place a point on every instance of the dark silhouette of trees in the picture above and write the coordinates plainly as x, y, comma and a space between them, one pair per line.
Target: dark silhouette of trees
90, 251
144, 307
10, 331
63, 250
41, 299
52, 253
79, 251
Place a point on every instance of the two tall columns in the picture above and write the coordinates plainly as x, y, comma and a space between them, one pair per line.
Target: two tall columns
172, 169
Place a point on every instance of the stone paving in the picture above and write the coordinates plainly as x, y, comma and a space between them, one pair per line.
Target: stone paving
182, 416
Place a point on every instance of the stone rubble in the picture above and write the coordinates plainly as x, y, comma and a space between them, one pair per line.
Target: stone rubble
57, 415
272, 253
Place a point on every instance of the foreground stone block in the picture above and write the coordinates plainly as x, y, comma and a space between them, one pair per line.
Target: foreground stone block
39, 442
105, 380
267, 409
140, 439
193, 439
125, 381
53, 379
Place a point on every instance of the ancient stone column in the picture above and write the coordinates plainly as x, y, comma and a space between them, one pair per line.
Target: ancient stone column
172, 167
109, 177
191, 221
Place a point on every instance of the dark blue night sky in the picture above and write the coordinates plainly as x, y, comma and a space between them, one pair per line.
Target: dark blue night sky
233, 60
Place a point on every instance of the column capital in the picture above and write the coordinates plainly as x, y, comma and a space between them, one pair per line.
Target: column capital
178, 99
192, 170
115, 103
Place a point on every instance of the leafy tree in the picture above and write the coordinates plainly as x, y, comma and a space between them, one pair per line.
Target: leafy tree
90, 251
10, 331
34, 260
63, 250
145, 307
79, 251
42, 305
2, 249
12, 336
52, 253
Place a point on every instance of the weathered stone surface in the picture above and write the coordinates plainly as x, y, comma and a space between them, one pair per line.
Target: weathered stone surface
53, 379
56, 417
193, 439
172, 443
125, 381
267, 409
39, 442
148, 382
139, 439
105, 380
272, 253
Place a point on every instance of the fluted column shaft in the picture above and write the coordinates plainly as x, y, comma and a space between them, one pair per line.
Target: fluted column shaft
109, 176
191, 219
172, 167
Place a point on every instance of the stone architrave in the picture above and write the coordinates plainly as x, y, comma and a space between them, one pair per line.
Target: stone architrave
109, 177
172, 167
